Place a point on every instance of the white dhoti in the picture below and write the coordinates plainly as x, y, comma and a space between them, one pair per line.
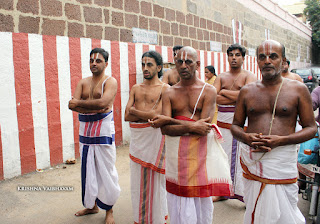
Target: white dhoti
99, 177
190, 210
271, 191
147, 165
230, 146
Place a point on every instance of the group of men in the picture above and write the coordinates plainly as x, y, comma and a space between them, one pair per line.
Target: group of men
180, 161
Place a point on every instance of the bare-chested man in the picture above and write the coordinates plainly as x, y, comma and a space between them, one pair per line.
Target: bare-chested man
93, 99
228, 86
172, 76
289, 75
267, 148
193, 153
147, 153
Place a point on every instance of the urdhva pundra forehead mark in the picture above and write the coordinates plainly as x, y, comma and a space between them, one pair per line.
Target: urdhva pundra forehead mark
94, 56
185, 55
267, 48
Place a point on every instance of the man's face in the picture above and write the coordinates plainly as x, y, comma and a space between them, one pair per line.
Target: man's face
270, 59
97, 63
150, 68
235, 58
285, 66
186, 64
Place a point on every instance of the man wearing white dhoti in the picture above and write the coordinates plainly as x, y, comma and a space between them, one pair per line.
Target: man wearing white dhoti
228, 85
147, 152
268, 151
196, 165
93, 99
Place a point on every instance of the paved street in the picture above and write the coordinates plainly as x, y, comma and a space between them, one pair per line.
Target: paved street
51, 207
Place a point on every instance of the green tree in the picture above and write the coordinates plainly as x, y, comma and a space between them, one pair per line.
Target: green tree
312, 11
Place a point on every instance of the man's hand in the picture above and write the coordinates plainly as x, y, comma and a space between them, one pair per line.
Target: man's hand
159, 121
73, 103
202, 126
271, 141
255, 141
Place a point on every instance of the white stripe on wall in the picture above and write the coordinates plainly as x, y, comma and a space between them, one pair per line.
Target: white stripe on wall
105, 44
66, 117
139, 75
164, 51
39, 101
209, 58
124, 79
202, 65
8, 110
86, 47
215, 54
222, 62
152, 47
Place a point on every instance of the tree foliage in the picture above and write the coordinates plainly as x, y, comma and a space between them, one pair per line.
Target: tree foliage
312, 12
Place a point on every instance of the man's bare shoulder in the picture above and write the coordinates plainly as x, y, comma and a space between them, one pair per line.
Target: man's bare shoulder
170, 72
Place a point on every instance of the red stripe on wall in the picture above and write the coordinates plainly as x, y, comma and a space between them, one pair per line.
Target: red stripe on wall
95, 43
212, 60
53, 104
145, 48
225, 61
1, 158
117, 102
24, 104
159, 50
237, 32
132, 64
219, 64
205, 58
75, 77
170, 54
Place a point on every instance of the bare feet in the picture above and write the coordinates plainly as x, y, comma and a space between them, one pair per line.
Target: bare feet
87, 211
218, 198
109, 217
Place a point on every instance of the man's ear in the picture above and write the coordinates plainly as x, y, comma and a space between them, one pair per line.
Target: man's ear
198, 64
158, 68
106, 64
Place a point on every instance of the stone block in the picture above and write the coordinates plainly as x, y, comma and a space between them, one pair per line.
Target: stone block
117, 18
175, 29
146, 8
209, 25
186, 42
212, 36
180, 17
75, 30
118, 4
51, 8
170, 15
205, 34
196, 21
92, 15
207, 46
6, 4
218, 37
177, 41
7, 24
203, 23
202, 45
154, 24
199, 34
94, 32
85, 1
192, 32
143, 22
167, 40
189, 19
53, 27
195, 44
158, 11
125, 35
112, 33
132, 6
29, 24
73, 12
184, 31
28, 6
165, 27
106, 16
131, 20
105, 3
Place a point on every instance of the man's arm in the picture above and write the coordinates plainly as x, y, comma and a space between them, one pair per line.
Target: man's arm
127, 115
110, 91
165, 77
220, 98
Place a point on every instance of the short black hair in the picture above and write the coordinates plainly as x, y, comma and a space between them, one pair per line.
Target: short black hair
241, 48
211, 69
102, 51
177, 47
288, 62
157, 57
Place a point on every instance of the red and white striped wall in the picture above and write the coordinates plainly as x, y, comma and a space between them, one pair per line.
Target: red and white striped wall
38, 76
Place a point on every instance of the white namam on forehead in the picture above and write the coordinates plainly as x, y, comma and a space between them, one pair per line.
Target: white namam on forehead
185, 55
94, 56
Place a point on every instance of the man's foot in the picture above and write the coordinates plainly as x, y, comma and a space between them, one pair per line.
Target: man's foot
87, 211
109, 217
218, 198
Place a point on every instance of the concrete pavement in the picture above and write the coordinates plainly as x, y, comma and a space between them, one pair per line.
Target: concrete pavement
57, 206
